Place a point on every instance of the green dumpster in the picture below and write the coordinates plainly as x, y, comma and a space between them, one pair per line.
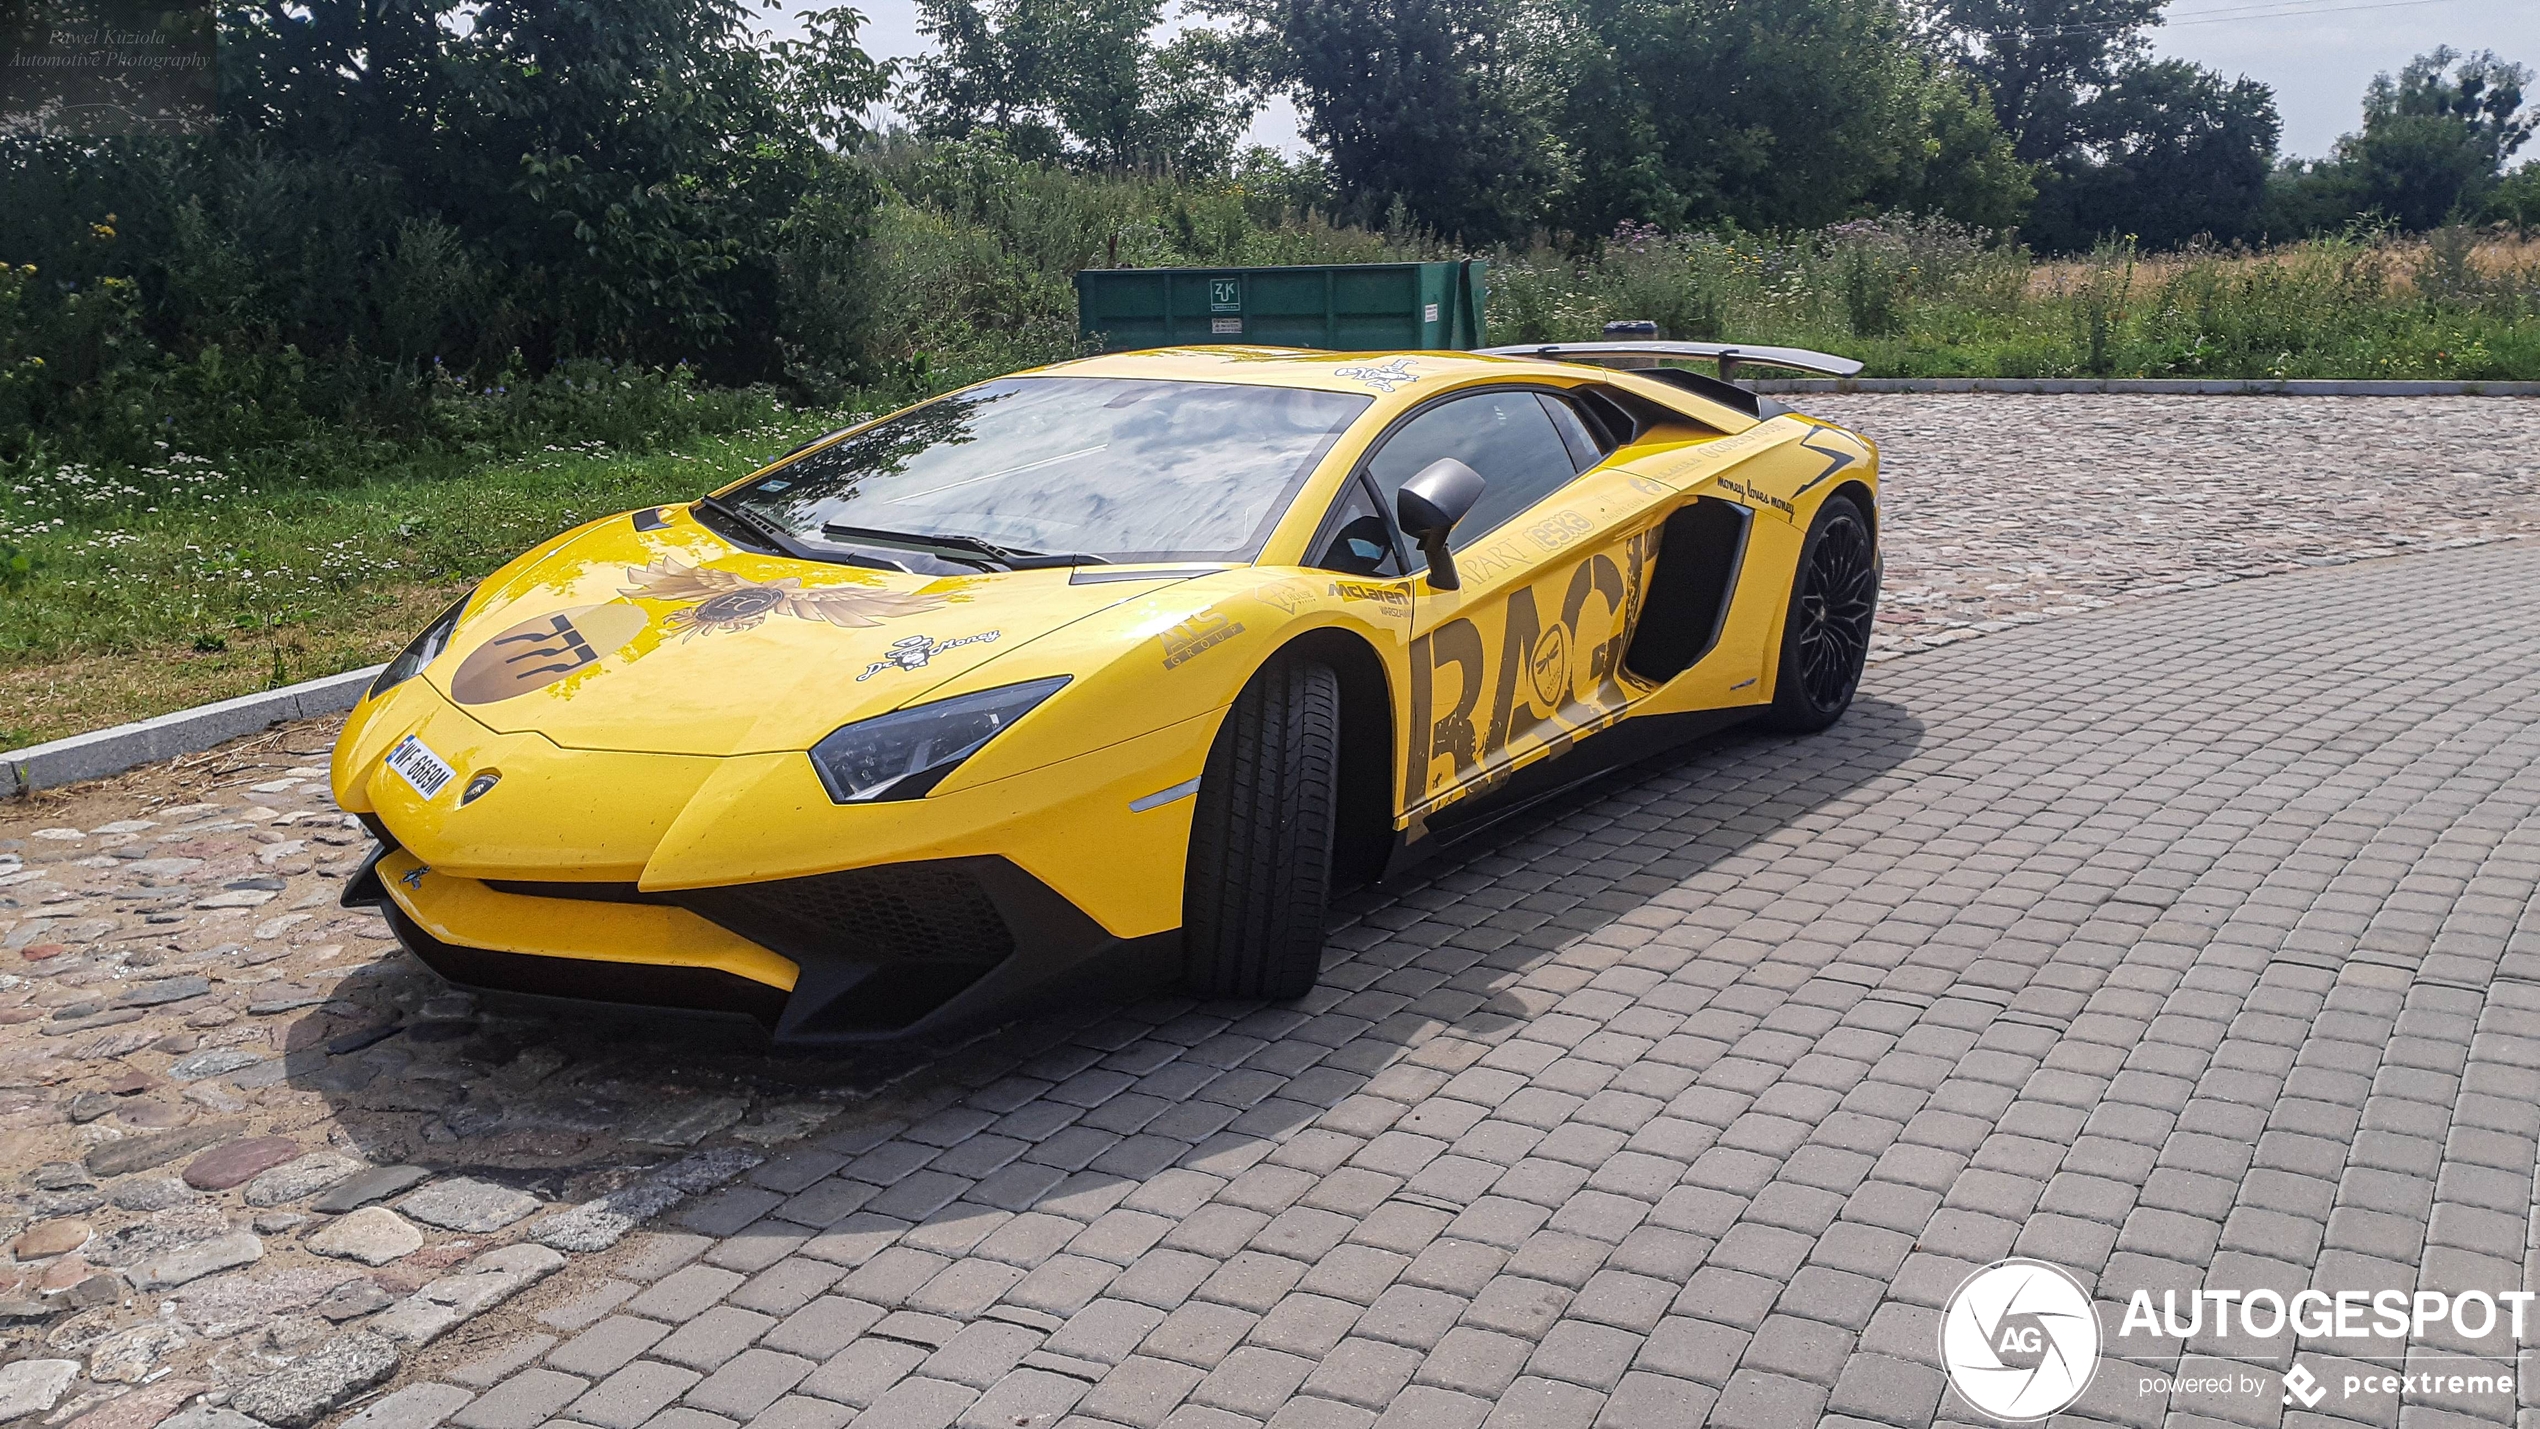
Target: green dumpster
1352, 307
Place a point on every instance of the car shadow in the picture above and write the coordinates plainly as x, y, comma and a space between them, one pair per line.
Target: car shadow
569, 1103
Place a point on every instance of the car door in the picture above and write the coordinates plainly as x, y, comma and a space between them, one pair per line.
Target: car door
1526, 657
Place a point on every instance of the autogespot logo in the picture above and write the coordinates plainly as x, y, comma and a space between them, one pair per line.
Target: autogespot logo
2019, 1340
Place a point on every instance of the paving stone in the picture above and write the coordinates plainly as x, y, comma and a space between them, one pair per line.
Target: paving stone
529, 1398
302, 1392
34, 1386
301, 1178
368, 1186
480, 1285
140, 1153
607, 1346
750, 1382
712, 1337
417, 1406
463, 1203
589, 1307
188, 1263
490, 1369
373, 1235
685, 1293
631, 1395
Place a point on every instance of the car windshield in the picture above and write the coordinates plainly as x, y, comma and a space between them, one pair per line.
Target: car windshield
1125, 470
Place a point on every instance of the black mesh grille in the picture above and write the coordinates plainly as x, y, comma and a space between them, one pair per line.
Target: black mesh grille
912, 912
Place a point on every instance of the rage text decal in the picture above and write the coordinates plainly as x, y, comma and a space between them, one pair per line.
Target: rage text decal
1549, 660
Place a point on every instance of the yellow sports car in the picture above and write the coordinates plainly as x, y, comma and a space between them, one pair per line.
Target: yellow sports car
1114, 666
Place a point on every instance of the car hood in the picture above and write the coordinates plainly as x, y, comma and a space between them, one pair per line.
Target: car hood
670, 641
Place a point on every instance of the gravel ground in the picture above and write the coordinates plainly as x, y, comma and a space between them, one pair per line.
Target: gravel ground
205, 1063
2005, 510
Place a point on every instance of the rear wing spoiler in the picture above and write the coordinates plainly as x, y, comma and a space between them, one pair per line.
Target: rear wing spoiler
1730, 356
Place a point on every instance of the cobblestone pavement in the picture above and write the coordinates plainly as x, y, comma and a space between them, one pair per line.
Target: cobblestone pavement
2193, 941
204, 1064
2014, 509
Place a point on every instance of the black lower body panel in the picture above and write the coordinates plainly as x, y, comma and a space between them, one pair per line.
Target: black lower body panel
882, 954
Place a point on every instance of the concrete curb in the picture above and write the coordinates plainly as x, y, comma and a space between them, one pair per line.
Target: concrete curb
129, 746
2171, 386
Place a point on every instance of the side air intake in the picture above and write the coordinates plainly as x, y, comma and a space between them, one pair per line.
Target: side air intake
1699, 552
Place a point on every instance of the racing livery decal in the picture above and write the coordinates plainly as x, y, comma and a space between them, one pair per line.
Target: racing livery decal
543, 649
1384, 379
1838, 449
725, 601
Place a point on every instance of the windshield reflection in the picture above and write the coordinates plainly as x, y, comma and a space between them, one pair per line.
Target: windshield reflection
1128, 469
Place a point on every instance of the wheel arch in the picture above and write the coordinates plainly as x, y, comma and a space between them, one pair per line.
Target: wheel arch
1364, 839
1864, 498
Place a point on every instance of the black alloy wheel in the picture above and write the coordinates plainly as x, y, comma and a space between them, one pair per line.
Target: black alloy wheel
1826, 637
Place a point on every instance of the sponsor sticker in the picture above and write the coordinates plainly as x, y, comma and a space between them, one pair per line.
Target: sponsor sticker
1193, 637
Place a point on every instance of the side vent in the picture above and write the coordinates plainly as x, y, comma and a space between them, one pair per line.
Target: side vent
1699, 551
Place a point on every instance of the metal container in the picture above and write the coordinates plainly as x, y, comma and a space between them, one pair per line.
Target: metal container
1350, 307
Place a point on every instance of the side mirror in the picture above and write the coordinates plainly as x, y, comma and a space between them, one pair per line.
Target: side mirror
1429, 505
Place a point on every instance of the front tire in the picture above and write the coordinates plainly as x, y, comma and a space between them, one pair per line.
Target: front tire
1259, 881
1826, 633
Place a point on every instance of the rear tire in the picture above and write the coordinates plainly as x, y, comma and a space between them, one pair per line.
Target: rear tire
1826, 632
1259, 879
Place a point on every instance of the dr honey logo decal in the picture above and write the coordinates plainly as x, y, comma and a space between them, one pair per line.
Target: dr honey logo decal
911, 652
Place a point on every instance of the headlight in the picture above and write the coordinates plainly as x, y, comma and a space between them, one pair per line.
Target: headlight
903, 754
410, 661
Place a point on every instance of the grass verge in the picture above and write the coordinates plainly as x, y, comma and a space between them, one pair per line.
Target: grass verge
135, 616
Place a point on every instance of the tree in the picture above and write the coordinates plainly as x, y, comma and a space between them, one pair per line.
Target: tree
1077, 79
2042, 61
2171, 152
1773, 113
434, 180
2434, 141
1438, 107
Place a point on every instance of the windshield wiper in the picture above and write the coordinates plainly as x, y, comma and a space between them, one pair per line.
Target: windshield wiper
772, 536
975, 547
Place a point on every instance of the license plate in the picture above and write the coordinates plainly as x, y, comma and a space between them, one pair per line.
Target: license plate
420, 767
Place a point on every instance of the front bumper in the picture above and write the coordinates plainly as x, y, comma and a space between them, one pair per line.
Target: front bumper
867, 955
686, 883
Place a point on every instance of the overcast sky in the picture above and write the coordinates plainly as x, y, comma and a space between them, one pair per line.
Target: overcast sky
2318, 54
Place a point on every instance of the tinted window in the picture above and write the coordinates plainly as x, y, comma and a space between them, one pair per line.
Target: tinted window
1119, 468
1361, 542
1584, 451
1505, 436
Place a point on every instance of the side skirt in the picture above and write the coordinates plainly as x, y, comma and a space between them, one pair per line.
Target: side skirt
1627, 743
